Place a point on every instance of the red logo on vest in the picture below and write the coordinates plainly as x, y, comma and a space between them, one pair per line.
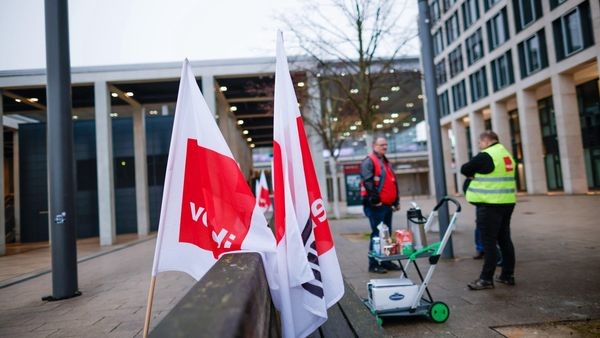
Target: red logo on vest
508, 164
217, 204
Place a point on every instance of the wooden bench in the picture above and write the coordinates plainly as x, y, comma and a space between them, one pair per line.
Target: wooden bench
233, 300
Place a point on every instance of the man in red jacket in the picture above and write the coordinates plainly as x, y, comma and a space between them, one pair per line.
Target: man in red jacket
380, 196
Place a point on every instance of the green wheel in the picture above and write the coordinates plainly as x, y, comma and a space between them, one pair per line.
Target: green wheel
379, 321
439, 312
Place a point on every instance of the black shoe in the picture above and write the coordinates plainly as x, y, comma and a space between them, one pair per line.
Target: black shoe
481, 284
391, 266
479, 255
377, 269
505, 280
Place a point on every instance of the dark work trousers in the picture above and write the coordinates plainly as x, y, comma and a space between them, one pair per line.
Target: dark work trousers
494, 223
376, 215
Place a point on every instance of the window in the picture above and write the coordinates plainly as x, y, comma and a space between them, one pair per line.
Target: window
556, 3
502, 71
532, 54
497, 29
478, 81
487, 4
456, 61
444, 104
526, 12
438, 42
459, 95
470, 9
434, 11
573, 31
448, 4
452, 29
474, 47
440, 72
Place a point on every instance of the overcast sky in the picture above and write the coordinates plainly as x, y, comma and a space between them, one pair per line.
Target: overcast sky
110, 32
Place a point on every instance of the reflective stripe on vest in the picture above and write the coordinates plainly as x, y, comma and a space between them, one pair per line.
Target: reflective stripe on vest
499, 186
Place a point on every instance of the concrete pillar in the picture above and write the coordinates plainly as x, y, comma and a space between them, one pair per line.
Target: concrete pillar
208, 91
447, 152
16, 186
568, 129
461, 150
477, 126
104, 164
531, 138
141, 171
2, 218
500, 123
313, 108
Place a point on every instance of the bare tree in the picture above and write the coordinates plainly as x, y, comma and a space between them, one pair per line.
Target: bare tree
356, 59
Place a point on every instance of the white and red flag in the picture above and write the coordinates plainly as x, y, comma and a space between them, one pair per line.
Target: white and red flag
204, 213
310, 279
263, 198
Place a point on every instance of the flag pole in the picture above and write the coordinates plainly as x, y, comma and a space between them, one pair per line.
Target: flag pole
149, 306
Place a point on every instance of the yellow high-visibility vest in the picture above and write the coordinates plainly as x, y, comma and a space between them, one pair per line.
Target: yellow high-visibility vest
499, 186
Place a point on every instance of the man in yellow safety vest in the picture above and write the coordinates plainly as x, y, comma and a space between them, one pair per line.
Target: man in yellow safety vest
493, 192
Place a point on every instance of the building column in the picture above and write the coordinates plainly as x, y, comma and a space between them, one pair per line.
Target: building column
477, 126
568, 129
461, 155
104, 164
16, 186
2, 218
500, 122
208, 91
141, 172
531, 140
447, 154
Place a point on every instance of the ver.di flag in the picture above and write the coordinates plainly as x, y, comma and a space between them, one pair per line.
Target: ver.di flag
302, 231
204, 213
263, 200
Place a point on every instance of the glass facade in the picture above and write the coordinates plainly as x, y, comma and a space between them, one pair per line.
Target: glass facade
588, 99
550, 143
517, 148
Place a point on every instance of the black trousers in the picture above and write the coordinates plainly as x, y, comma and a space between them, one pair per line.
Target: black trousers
494, 223
376, 215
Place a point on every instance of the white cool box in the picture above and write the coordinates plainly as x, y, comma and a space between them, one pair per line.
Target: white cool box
392, 293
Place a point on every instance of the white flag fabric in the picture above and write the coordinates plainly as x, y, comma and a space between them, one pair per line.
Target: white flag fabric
204, 213
263, 199
310, 277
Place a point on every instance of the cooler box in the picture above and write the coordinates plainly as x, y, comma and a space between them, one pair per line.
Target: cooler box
392, 293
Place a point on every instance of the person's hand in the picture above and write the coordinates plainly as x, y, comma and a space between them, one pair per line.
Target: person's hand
378, 204
396, 207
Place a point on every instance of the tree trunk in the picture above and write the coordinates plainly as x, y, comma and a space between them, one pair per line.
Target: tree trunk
336, 193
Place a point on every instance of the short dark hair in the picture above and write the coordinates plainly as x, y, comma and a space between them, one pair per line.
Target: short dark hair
489, 135
377, 137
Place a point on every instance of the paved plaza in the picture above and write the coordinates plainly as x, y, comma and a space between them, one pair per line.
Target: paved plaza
557, 275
